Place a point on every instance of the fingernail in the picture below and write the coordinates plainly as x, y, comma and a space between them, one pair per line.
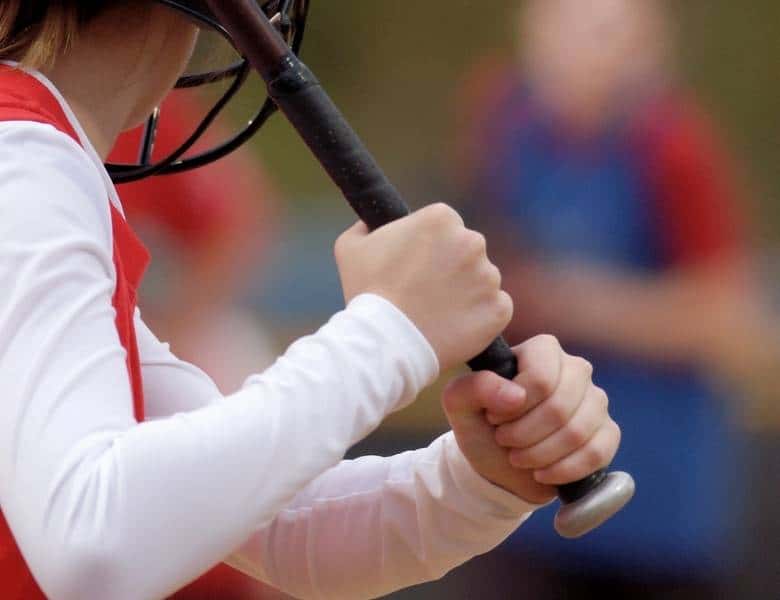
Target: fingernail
493, 419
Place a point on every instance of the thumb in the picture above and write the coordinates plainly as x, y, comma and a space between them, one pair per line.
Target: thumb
358, 231
347, 242
469, 397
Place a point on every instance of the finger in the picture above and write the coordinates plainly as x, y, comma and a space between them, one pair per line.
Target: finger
358, 230
480, 392
596, 454
496, 419
552, 414
539, 365
589, 418
539, 362
440, 214
506, 405
346, 243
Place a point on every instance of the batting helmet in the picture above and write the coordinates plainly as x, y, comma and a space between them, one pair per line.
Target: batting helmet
289, 17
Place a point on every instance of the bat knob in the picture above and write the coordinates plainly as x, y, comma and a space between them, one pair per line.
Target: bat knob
575, 519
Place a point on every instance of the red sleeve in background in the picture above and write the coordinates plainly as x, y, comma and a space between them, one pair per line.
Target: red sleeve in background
220, 199
700, 207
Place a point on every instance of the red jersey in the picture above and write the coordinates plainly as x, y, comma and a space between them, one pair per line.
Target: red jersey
23, 98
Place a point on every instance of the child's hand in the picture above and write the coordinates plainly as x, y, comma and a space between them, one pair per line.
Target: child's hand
437, 272
549, 427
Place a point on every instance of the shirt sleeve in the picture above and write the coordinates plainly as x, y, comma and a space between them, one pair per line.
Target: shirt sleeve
100, 505
374, 525
699, 204
363, 528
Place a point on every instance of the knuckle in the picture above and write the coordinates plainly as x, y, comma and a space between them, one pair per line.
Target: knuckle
617, 432
504, 308
557, 413
601, 398
435, 210
576, 436
490, 277
542, 380
494, 276
546, 340
477, 243
582, 366
595, 457
471, 245
442, 214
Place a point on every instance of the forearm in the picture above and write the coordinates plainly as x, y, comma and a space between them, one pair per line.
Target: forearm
692, 315
127, 510
657, 318
375, 525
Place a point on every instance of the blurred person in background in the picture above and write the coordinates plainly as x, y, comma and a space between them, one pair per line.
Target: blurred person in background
209, 230
617, 221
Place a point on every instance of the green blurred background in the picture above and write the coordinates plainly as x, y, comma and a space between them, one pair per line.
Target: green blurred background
393, 68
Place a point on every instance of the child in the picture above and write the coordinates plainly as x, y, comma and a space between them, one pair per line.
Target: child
624, 236
123, 471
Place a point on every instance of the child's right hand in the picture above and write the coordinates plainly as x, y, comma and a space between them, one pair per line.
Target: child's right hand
437, 272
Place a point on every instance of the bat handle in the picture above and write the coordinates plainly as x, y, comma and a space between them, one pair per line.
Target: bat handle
587, 503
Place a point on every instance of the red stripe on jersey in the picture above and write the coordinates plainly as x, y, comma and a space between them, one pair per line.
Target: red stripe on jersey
24, 98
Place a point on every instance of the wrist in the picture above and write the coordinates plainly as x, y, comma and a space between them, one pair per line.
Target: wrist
501, 499
402, 342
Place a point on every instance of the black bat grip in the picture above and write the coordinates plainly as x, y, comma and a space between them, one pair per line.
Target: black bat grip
498, 358
329, 136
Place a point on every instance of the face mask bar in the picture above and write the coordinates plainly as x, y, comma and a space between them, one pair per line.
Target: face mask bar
289, 19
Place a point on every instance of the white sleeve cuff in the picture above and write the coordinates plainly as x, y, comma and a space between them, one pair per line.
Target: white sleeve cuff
486, 497
403, 342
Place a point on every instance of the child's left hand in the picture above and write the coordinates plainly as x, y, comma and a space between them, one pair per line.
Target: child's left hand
548, 427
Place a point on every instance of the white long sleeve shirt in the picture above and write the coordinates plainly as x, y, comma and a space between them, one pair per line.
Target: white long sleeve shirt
105, 507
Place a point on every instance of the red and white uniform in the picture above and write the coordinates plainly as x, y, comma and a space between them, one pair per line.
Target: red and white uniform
115, 491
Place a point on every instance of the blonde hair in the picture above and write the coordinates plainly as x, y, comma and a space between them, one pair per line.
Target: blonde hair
35, 32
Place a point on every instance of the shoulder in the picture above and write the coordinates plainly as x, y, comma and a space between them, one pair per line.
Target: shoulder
673, 126
46, 178
698, 192
39, 147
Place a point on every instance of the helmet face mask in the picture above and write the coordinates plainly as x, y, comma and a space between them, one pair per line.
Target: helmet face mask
289, 17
